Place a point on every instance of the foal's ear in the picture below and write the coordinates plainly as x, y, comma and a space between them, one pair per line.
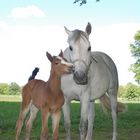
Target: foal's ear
49, 56
67, 30
88, 28
61, 54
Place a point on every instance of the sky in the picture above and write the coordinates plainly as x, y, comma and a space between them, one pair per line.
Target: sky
29, 28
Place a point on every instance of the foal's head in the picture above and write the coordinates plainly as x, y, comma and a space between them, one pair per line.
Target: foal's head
59, 65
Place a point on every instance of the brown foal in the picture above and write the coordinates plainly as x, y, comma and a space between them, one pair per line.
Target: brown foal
44, 96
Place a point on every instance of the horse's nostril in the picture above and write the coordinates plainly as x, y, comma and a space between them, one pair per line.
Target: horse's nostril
79, 75
80, 78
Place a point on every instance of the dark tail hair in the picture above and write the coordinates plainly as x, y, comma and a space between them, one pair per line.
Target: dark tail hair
34, 73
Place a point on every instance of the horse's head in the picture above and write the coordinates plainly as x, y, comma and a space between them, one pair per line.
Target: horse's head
79, 53
59, 65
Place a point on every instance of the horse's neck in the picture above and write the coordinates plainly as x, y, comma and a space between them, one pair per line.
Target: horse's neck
54, 82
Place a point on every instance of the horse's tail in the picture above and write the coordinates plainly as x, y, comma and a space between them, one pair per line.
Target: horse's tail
34, 73
105, 101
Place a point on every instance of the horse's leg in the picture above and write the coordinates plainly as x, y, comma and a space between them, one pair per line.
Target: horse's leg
44, 132
55, 124
91, 116
84, 116
33, 113
20, 121
24, 110
67, 121
113, 99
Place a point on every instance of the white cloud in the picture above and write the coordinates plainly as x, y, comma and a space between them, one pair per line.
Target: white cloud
25, 12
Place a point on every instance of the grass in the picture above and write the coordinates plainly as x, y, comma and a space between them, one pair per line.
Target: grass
10, 98
128, 123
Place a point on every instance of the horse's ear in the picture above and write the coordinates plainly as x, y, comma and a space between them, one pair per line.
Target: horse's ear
88, 28
49, 56
61, 54
67, 30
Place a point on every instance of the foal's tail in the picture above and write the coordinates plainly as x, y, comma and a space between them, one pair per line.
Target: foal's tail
34, 73
105, 101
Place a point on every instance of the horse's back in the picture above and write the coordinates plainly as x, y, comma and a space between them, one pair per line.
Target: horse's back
108, 60
35, 84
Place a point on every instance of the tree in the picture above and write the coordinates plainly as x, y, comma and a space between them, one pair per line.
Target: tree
3, 88
121, 91
132, 91
83, 1
135, 50
14, 89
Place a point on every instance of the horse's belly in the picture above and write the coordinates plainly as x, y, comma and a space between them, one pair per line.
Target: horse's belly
99, 87
100, 78
96, 94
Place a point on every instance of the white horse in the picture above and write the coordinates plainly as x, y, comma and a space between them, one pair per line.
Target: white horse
95, 77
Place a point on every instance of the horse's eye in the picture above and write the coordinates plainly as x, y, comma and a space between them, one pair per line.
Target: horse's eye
71, 48
89, 49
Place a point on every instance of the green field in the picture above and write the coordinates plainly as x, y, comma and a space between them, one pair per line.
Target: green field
128, 123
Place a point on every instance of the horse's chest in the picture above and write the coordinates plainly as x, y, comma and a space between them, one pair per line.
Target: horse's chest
75, 92
70, 89
55, 103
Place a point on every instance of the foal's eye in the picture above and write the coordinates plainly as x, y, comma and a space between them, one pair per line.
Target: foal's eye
56, 63
71, 48
89, 49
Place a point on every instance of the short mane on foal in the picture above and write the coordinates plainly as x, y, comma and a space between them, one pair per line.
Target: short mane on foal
44, 96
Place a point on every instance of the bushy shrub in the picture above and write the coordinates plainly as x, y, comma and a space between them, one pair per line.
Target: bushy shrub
3, 88
14, 89
130, 92
10, 89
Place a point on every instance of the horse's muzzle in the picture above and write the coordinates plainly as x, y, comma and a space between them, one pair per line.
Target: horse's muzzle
80, 78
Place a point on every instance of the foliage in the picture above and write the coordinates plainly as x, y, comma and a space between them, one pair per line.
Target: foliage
3, 88
135, 50
121, 91
14, 89
11, 89
130, 92
83, 1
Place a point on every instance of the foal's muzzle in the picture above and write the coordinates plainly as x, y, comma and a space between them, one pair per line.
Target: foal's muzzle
70, 69
80, 77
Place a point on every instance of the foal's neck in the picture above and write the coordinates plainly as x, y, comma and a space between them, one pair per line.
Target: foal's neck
54, 82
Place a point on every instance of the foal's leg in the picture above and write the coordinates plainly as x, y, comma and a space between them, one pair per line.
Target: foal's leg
33, 113
67, 121
24, 110
44, 132
91, 116
19, 124
113, 99
55, 124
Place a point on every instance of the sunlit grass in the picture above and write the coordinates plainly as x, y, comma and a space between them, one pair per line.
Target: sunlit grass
10, 98
128, 122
